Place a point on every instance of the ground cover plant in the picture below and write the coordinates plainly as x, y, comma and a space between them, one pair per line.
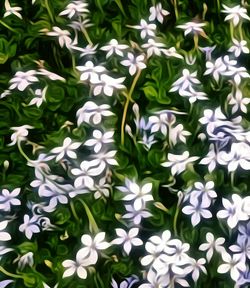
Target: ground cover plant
124, 143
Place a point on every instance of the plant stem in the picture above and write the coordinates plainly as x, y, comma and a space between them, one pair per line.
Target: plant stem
232, 178
8, 27
21, 151
240, 31
175, 219
176, 9
92, 224
46, 3
86, 35
74, 211
9, 274
231, 30
129, 98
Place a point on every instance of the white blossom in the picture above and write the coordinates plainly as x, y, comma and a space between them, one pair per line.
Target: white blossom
128, 239
29, 226
238, 102
239, 47
185, 82
63, 36
153, 47
4, 236
11, 10
20, 134
75, 8
235, 14
99, 139
134, 63
192, 27
66, 149
146, 29
39, 97
157, 12
113, 47
90, 71
7, 199
22, 80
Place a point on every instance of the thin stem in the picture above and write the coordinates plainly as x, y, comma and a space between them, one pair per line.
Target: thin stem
9, 274
232, 178
240, 31
129, 98
8, 27
92, 224
218, 6
74, 211
22, 152
176, 9
86, 35
231, 30
175, 219
49, 10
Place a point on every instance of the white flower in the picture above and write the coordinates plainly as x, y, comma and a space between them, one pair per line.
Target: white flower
178, 163
92, 113
29, 226
136, 215
22, 80
146, 29
159, 123
114, 48
233, 211
89, 49
237, 73
235, 14
217, 68
171, 52
239, 47
134, 63
210, 159
26, 260
9, 198
11, 10
20, 134
211, 245
106, 84
238, 102
78, 267
63, 36
52, 76
128, 239
89, 253
185, 82
153, 47
233, 264
4, 236
197, 266
192, 27
178, 133
100, 139
5, 283
140, 195
193, 95
75, 8
206, 191
90, 71
157, 12
197, 210
87, 170
238, 156
39, 97
67, 148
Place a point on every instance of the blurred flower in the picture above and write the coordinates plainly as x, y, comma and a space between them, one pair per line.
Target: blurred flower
233, 264
212, 245
39, 97
52, 76
238, 102
100, 139
106, 84
210, 159
197, 209
157, 12
75, 8
5, 283
22, 80
20, 134
217, 68
235, 14
92, 113
90, 71
233, 212
178, 163
237, 73
140, 195
197, 266
239, 47
127, 239
78, 267
185, 82
192, 27
4, 236
9, 198
136, 215
29, 226
11, 10
153, 47
67, 148
114, 48
25, 260
146, 29
134, 63
178, 133
63, 36
127, 283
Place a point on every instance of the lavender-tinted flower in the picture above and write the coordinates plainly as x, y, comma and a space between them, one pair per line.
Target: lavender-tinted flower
8, 199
